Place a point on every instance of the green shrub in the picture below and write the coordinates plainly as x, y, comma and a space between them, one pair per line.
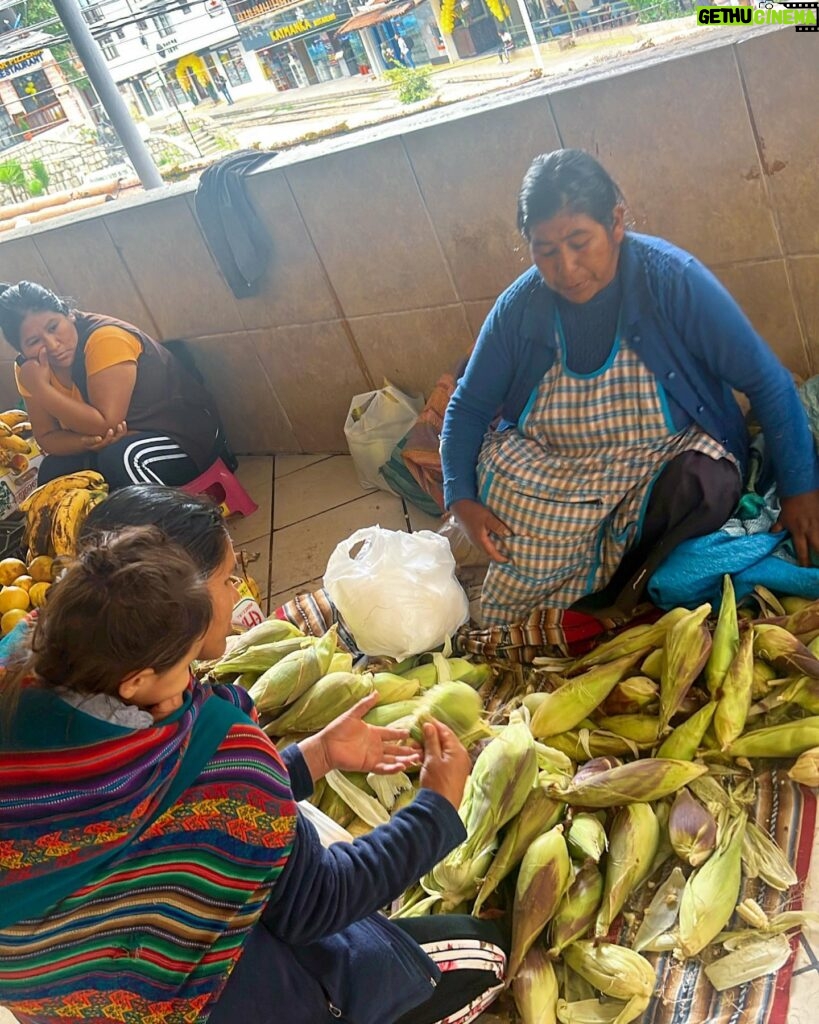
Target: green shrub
411, 84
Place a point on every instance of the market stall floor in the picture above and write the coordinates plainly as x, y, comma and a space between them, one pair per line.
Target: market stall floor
307, 504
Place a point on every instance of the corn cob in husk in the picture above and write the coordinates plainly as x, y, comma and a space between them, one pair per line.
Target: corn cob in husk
781, 649
683, 742
710, 894
652, 666
633, 839
330, 697
259, 658
687, 647
454, 703
389, 714
736, 693
631, 696
574, 699
544, 876
289, 678
692, 829
642, 730
270, 631
577, 910
392, 688
805, 769
539, 813
587, 838
637, 782
785, 740
615, 971
497, 789
589, 1011
535, 988
726, 640
631, 641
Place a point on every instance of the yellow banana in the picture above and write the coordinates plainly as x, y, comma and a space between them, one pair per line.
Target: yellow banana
12, 417
15, 444
23, 427
69, 516
54, 490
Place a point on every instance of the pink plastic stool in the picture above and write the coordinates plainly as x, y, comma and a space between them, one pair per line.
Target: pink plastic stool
220, 484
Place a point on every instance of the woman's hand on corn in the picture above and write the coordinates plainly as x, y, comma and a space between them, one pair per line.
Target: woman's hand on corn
446, 765
351, 745
480, 524
800, 515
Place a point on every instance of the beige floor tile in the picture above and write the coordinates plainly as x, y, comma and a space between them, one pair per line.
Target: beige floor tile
301, 551
804, 998
286, 464
258, 562
277, 600
255, 474
315, 489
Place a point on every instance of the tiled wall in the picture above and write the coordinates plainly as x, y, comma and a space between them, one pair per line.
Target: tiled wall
390, 246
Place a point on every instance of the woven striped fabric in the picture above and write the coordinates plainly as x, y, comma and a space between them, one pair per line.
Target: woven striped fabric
160, 888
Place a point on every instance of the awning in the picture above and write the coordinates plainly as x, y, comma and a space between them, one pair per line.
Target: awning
378, 13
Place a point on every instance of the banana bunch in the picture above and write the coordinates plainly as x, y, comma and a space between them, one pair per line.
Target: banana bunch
56, 511
14, 446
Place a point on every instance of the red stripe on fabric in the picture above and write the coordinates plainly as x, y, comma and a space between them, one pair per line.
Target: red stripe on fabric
782, 991
80, 762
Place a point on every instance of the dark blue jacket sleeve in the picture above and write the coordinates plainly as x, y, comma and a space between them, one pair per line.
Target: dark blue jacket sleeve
721, 336
323, 890
301, 782
475, 403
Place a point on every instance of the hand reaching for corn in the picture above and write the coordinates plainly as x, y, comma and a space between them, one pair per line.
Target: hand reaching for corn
446, 765
351, 745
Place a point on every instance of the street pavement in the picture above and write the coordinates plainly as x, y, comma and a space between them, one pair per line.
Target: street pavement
272, 120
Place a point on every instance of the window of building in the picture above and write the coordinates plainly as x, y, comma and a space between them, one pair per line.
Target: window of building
163, 25
108, 47
91, 11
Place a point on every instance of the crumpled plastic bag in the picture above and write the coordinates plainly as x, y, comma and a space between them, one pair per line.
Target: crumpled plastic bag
397, 593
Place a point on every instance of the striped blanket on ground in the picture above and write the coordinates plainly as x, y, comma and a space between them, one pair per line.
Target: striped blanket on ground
133, 865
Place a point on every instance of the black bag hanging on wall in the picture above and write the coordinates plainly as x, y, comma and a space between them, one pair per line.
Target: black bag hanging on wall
239, 243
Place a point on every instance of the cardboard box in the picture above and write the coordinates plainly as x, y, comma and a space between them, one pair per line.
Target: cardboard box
19, 479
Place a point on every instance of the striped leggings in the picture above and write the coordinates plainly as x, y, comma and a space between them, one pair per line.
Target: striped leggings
140, 458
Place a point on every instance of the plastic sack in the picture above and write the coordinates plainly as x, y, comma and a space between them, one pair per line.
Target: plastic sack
397, 594
375, 424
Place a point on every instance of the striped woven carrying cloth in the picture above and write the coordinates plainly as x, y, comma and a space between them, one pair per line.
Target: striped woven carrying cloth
683, 994
131, 875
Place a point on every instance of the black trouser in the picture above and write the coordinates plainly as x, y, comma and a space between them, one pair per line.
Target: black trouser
462, 985
693, 496
139, 458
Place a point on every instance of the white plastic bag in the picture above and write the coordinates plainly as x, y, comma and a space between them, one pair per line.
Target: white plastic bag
398, 593
375, 424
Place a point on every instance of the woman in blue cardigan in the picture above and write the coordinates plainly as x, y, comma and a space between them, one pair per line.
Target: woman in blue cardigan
611, 363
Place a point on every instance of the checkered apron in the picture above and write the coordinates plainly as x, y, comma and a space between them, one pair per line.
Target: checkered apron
572, 482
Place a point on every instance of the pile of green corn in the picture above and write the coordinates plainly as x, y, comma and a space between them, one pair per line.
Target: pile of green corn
618, 786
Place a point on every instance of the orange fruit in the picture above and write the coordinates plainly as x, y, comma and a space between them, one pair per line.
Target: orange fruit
37, 594
10, 569
10, 620
41, 569
24, 582
13, 597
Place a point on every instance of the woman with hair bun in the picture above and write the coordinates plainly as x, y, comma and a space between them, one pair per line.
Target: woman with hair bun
101, 394
612, 363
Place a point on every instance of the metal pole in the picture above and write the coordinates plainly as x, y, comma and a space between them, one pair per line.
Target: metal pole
91, 56
530, 32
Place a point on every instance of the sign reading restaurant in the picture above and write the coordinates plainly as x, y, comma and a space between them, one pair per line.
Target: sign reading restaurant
20, 63
275, 30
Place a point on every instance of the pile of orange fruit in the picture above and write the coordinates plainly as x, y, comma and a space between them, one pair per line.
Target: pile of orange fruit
23, 587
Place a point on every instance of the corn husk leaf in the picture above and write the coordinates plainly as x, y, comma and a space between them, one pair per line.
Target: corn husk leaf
805, 769
661, 914
363, 806
388, 788
753, 960
648, 779
763, 858
578, 908
737, 690
587, 838
726, 640
633, 839
682, 743
589, 1011
534, 988
687, 647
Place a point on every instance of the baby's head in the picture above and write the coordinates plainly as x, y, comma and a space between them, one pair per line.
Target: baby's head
126, 619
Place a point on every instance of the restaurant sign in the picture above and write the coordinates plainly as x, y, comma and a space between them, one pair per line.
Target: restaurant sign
288, 30
14, 65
